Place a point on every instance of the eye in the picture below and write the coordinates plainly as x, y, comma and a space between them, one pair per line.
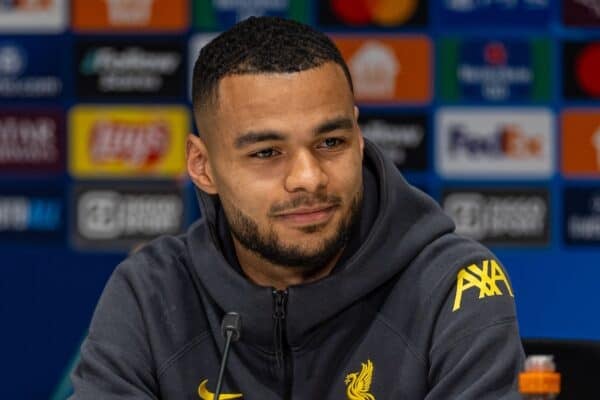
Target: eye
331, 143
265, 153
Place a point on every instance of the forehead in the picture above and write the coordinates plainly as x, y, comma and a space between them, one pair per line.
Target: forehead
292, 98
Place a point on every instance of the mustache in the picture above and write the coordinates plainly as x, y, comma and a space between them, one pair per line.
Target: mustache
323, 199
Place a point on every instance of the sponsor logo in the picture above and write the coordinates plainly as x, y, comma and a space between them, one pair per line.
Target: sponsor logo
388, 69
136, 144
109, 217
473, 5
220, 14
581, 12
34, 5
581, 61
12, 60
32, 15
23, 213
128, 141
495, 70
582, 215
145, 15
31, 142
27, 215
380, 13
358, 384
494, 12
495, 143
580, 142
403, 138
21, 75
485, 279
129, 69
501, 217
205, 394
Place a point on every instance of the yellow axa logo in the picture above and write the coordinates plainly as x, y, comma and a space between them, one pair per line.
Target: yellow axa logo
485, 279
205, 394
359, 383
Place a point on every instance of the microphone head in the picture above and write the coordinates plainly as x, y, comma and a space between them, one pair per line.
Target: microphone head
232, 322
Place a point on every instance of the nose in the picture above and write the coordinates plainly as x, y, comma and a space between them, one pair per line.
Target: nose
305, 174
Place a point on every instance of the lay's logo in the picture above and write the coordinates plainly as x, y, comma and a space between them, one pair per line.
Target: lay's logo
128, 142
138, 145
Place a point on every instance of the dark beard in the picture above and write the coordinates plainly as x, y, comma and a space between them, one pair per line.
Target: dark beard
267, 246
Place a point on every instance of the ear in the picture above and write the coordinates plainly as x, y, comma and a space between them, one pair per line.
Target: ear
198, 166
360, 135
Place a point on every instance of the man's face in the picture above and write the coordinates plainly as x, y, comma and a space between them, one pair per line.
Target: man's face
284, 156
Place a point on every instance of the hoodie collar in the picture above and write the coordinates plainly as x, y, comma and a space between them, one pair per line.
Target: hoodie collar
404, 221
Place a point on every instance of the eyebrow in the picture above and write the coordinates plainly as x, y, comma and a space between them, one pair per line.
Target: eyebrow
344, 123
254, 137
249, 138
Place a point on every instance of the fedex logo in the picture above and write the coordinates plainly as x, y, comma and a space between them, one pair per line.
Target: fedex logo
508, 141
495, 142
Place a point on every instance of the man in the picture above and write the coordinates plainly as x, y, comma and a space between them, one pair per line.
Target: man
350, 283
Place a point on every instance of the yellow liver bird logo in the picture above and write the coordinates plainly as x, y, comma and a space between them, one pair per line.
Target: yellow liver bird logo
359, 383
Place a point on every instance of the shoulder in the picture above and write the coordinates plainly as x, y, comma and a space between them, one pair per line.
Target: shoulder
159, 258
161, 268
453, 281
434, 270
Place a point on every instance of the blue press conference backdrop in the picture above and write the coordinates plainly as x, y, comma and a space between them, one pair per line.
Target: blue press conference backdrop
490, 106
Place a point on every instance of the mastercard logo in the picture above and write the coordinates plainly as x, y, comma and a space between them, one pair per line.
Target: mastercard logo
380, 12
587, 67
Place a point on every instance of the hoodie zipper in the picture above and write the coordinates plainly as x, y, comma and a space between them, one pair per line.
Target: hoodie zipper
283, 360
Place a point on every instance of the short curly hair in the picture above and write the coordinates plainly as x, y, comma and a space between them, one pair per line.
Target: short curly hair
261, 45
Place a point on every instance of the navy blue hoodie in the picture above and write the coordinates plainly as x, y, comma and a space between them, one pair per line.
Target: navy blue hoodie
413, 311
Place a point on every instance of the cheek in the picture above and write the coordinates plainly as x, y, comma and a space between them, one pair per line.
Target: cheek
252, 197
346, 177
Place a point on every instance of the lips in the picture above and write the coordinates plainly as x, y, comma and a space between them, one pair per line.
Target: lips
305, 216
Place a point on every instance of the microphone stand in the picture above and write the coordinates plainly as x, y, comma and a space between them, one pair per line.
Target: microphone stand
230, 328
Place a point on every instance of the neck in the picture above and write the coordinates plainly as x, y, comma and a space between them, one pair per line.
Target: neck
265, 273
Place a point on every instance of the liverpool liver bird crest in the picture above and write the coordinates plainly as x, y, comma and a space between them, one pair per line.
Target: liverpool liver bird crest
359, 383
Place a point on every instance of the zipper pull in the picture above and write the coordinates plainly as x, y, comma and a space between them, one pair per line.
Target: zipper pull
280, 301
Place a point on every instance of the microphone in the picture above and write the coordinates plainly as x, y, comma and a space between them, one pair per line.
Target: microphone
231, 328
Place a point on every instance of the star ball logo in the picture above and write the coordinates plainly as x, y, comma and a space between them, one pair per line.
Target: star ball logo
486, 13
29, 69
12, 60
494, 70
373, 13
